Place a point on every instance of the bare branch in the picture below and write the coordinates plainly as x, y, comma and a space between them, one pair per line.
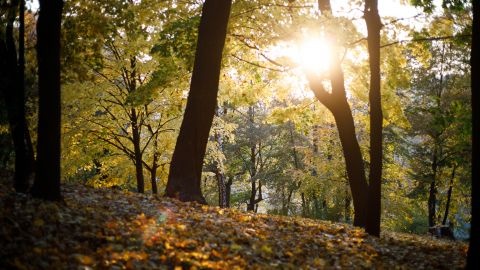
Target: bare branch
256, 64
424, 39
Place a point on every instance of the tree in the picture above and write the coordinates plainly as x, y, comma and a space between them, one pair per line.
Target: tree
47, 177
336, 102
13, 75
130, 88
186, 165
366, 196
438, 143
474, 248
374, 25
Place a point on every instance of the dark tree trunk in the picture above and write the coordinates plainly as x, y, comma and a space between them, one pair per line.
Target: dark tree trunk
432, 193
155, 166
153, 171
220, 175
253, 180
304, 205
131, 81
184, 180
474, 249
13, 90
337, 103
47, 178
251, 201
289, 200
153, 181
228, 191
137, 152
30, 150
374, 25
354, 161
29, 154
449, 196
222, 190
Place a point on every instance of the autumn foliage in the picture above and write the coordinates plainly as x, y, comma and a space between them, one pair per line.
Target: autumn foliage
114, 229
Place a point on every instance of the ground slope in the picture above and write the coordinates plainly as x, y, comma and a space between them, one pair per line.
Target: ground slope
113, 229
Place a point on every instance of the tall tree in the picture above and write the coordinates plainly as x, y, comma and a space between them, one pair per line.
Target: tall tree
47, 177
336, 101
374, 25
186, 165
13, 74
474, 248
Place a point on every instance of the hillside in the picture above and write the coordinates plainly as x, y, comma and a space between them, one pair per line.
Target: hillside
113, 229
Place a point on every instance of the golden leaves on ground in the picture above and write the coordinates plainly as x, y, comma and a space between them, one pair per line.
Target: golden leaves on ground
111, 229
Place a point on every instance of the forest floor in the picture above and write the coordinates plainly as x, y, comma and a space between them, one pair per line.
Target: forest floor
114, 229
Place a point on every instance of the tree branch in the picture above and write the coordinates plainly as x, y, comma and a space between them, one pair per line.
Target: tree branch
423, 39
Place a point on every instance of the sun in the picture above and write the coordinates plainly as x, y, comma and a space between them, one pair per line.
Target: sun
307, 55
313, 55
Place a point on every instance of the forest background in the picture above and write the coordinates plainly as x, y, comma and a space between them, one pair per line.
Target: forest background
126, 68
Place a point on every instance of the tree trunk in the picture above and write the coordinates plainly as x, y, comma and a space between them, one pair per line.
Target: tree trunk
251, 201
14, 94
153, 180
228, 191
432, 194
304, 205
449, 196
374, 25
47, 178
337, 103
222, 195
137, 152
184, 180
253, 174
222, 191
153, 172
474, 249
29, 154
354, 161
289, 200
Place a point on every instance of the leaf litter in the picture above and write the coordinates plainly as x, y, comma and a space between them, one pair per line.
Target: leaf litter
114, 229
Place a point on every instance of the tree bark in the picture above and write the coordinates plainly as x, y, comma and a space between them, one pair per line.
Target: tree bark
304, 205
228, 191
14, 94
47, 178
137, 151
29, 155
222, 190
432, 194
153, 172
354, 161
337, 103
220, 175
372, 19
474, 249
184, 180
449, 196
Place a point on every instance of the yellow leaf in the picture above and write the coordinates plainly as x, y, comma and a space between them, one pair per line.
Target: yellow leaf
235, 247
266, 249
84, 259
